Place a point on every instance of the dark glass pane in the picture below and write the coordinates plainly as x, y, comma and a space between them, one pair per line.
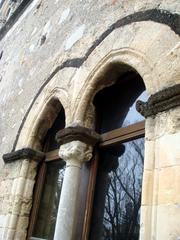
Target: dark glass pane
50, 138
116, 104
116, 209
46, 220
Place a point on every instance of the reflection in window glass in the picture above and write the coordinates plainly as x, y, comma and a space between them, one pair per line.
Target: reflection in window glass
133, 116
116, 211
116, 104
46, 220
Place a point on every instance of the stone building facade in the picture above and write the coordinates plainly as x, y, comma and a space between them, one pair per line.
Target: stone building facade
62, 53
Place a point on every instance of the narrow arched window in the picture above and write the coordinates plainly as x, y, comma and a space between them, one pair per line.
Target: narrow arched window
117, 178
48, 186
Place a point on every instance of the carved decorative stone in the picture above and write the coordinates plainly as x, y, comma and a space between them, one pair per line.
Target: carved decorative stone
79, 133
75, 153
24, 153
159, 102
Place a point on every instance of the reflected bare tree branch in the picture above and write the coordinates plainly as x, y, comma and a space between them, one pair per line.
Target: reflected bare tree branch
123, 198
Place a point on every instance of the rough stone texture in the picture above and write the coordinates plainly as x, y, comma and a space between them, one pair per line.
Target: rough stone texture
62, 52
161, 101
8, 8
79, 133
23, 154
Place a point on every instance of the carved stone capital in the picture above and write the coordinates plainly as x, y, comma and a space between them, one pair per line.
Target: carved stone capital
75, 153
161, 101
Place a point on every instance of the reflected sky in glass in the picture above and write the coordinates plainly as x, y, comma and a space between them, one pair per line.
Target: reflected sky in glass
133, 116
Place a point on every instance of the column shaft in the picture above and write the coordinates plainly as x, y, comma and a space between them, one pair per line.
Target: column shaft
66, 217
75, 153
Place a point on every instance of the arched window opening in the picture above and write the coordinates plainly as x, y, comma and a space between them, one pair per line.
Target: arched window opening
117, 177
116, 104
48, 186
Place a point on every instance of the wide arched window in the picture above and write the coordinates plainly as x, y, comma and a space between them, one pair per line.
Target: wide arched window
114, 192
48, 186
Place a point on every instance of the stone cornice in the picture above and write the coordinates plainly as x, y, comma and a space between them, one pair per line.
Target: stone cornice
161, 101
24, 153
80, 133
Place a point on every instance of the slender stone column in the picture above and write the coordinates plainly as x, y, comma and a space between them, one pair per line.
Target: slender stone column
76, 148
75, 154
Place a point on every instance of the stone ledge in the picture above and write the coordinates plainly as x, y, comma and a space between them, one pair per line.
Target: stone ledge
161, 101
79, 133
24, 153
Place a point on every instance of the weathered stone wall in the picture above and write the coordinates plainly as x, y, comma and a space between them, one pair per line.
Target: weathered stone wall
62, 49
7, 9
